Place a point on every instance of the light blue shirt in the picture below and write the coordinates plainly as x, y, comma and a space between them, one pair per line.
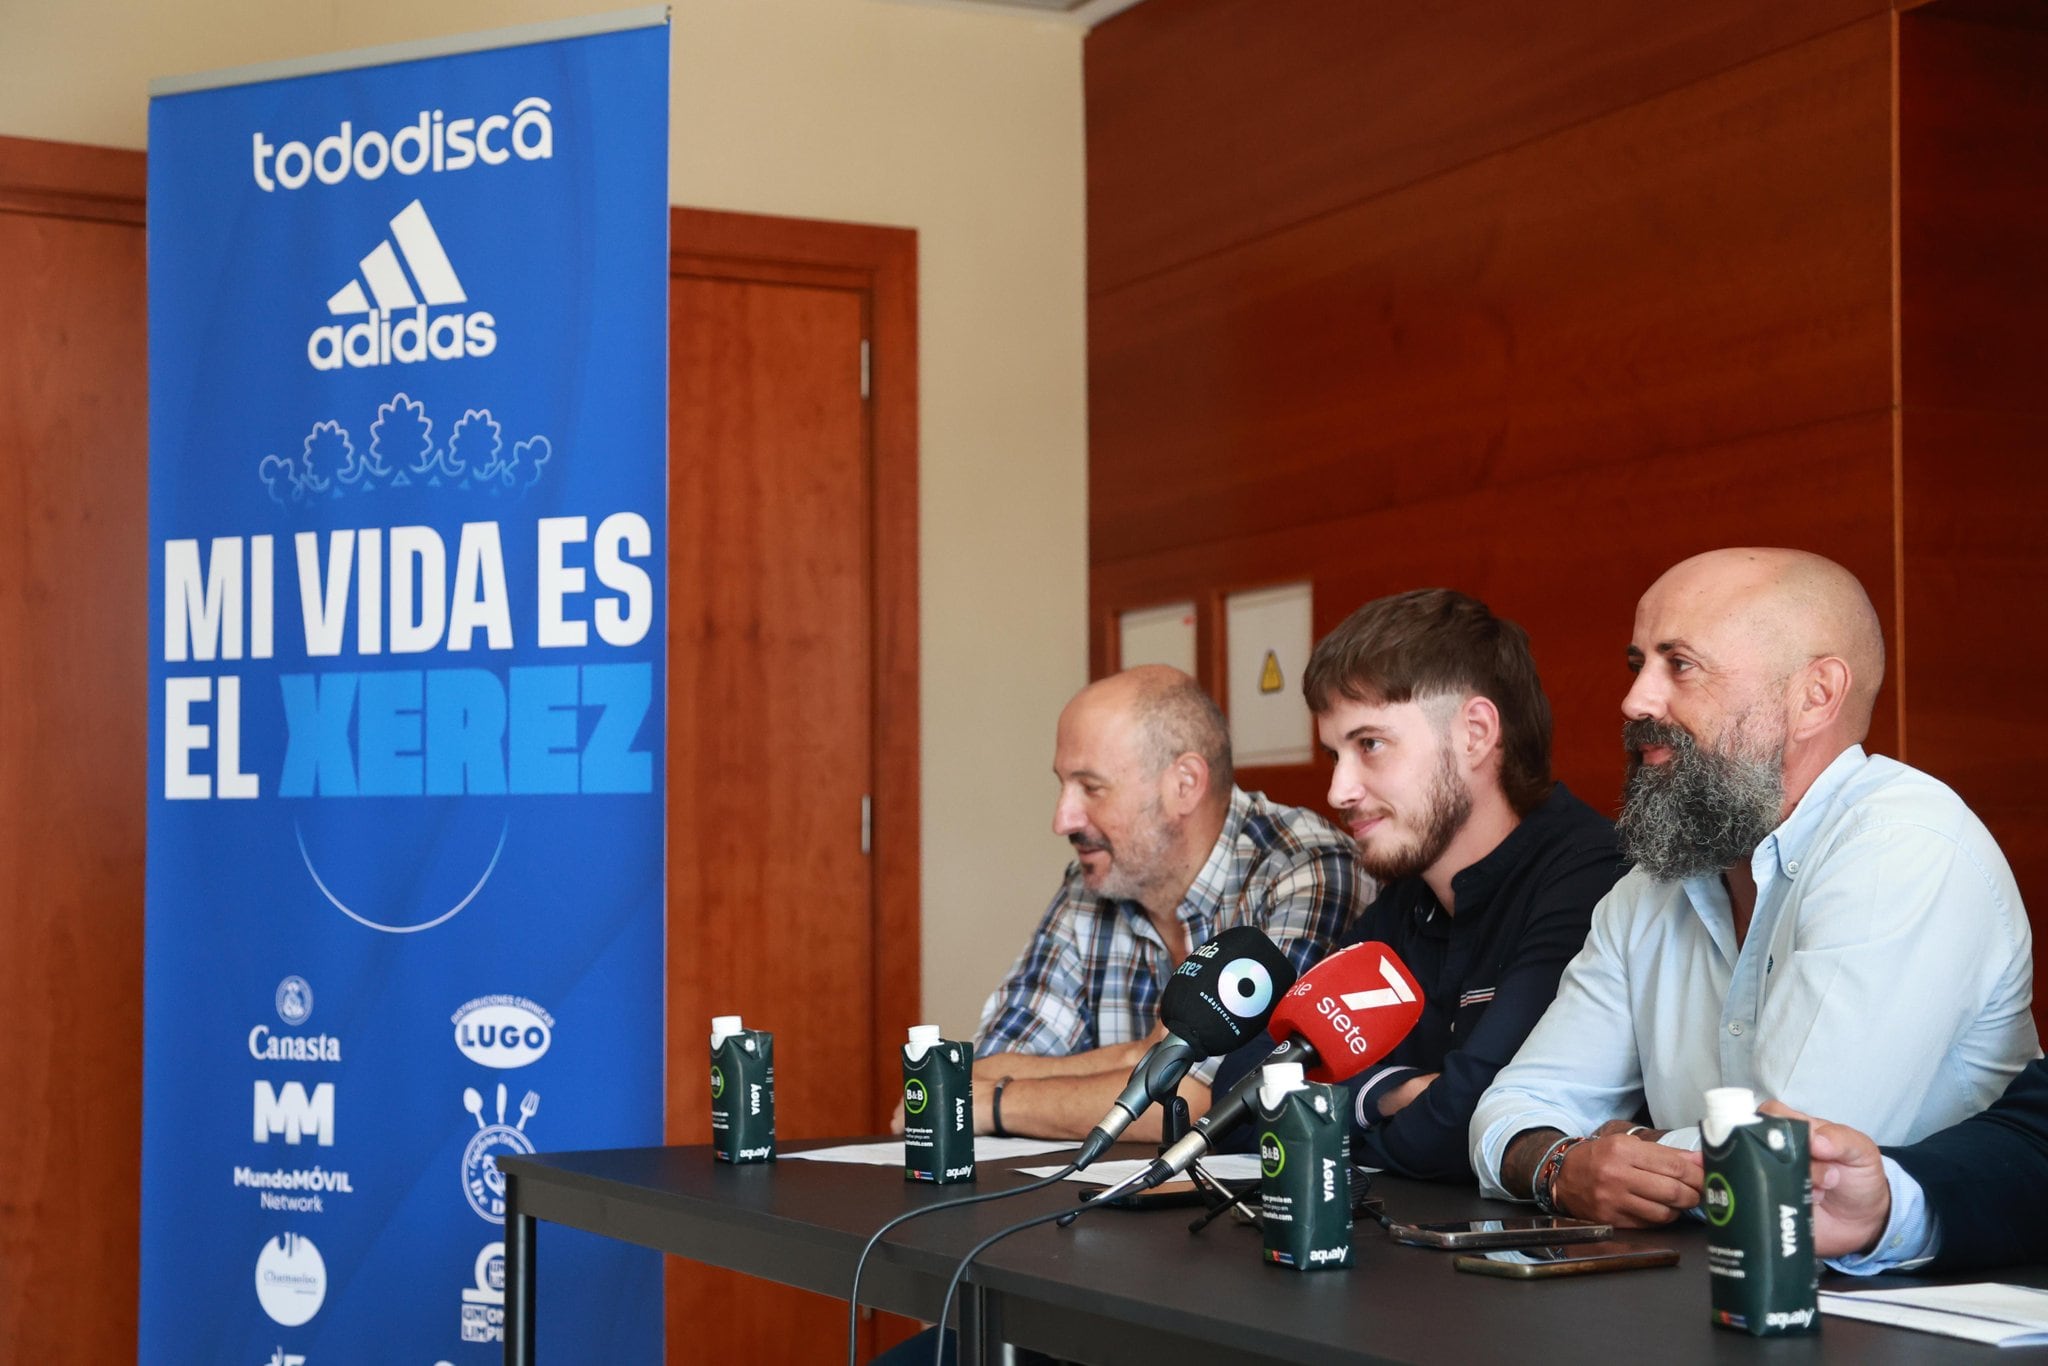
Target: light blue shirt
1885, 983
1911, 1236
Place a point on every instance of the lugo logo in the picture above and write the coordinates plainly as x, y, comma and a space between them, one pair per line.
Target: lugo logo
416, 335
503, 1031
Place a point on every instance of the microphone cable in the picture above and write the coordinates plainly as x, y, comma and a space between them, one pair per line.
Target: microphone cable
960, 1271
979, 1197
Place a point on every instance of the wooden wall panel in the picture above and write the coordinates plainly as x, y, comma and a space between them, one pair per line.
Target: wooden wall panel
1695, 269
1973, 211
1212, 122
1976, 491
1514, 545
74, 617
1973, 195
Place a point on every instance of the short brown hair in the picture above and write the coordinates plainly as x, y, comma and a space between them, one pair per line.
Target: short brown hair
1435, 642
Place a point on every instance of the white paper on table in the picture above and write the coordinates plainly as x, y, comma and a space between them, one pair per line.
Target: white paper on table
889, 1152
2007, 1315
1223, 1166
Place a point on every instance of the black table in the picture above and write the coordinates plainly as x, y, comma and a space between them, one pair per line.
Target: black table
1122, 1286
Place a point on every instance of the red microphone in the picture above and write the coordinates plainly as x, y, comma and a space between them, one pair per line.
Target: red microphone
1345, 1014
1351, 1010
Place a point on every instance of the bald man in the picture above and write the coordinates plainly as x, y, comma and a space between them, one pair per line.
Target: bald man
1804, 919
1168, 853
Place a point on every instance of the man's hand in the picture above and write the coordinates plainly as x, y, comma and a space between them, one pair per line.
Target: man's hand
1852, 1199
1621, 1180
1402, 1096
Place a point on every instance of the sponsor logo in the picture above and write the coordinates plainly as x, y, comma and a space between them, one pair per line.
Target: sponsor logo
265, 1046
1718, 1201
1788, 1231
294, 1113
397, 325
1792, 1318
294, 1001
280, 1357
432, 142
1328, 1254
293, 1190
1272, 1154
914, 1097
1329, 1180
503, 1031
483, 1185
483, 1304
291, 1279
717, 1082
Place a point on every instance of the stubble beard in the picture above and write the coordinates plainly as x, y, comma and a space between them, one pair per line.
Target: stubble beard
1449, 806
1138, 864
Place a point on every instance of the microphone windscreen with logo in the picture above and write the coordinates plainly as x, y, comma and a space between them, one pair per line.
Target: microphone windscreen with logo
1225, 992
1352, 1008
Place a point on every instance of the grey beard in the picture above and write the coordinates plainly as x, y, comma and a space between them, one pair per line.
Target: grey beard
1702, 810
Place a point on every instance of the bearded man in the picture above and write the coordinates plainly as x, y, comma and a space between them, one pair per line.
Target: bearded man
1438, 734
1804, 919
1168, 854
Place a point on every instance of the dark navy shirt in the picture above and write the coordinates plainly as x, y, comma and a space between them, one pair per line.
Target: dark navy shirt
1487, 975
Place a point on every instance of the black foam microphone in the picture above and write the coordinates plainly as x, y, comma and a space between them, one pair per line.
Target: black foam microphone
1221, 996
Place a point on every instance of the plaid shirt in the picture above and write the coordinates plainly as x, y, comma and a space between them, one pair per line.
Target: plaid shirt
1094, 970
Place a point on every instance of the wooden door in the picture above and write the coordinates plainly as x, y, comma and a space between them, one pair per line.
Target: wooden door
74, 733
775, 912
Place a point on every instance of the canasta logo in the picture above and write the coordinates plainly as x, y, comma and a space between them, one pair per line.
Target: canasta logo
503, 1031
294, 1001
432, 142
291, 1279
396, 325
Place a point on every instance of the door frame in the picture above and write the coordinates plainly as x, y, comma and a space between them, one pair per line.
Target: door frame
880, 263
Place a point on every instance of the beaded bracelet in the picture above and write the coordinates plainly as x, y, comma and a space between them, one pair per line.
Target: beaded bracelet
1544, 1187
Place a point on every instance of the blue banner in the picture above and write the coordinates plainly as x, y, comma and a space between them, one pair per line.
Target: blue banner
408, 432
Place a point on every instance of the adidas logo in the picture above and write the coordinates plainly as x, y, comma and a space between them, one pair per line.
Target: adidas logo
405, 281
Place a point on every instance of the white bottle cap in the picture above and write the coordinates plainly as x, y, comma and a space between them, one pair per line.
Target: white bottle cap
1728, 1107
923, 1038
1276, 1079
724, 1027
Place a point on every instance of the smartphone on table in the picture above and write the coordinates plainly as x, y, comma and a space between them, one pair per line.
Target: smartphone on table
1531, 1230
1570, 1259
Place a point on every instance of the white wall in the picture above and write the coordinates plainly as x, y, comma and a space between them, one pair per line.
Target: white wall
964, 125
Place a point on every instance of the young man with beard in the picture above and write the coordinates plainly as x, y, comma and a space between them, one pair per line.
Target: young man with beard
1169, 853
1436, 724
1804, 919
